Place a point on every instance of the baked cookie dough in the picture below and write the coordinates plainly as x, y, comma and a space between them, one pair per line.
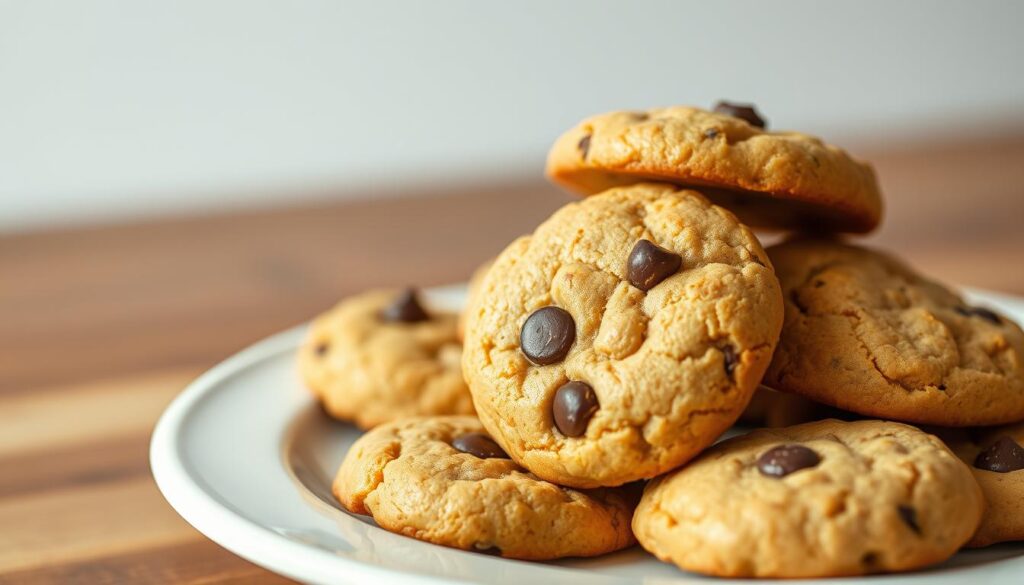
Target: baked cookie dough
622, 337
996, 457
767, 178
380, 356
863, 332
822, 499
443, 480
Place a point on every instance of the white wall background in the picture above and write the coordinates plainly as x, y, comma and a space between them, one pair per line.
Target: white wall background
125, 109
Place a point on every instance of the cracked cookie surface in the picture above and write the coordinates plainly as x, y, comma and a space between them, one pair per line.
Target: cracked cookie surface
863, 332
768, 179
996, 458
369, 369
822, 499
413, 479
636, 382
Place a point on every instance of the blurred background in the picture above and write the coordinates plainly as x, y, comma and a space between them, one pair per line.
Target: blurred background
181, 179
121, 110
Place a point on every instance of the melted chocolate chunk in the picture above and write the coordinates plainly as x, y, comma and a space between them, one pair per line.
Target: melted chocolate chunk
479, 445
785, 459
574, 405
405, 309
321, 348
650, 264
1003, 456
584, 146
547, 335
742, 111
909, 516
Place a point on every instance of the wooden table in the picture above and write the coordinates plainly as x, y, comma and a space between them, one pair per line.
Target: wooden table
101, 327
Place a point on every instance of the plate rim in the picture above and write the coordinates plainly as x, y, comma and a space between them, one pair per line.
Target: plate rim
226, 527
257, 543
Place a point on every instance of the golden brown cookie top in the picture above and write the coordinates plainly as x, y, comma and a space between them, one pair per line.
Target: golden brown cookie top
822, 499
443, 480
622, 336
382, 355
865, 333
767, 178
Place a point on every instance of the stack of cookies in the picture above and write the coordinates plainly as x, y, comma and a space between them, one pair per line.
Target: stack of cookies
573, 409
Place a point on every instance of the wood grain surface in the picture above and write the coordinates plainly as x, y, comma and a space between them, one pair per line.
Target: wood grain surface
100, 328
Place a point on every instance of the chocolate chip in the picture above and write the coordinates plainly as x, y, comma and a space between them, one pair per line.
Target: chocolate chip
640, 116
819, 283
479, 445
711, 133
980, 312
405, 309
785, 459
547, 335
729, 360
320, 349
575, 403
584, 146
741, 111
869, 559
650, 264
1003, 456
909, 516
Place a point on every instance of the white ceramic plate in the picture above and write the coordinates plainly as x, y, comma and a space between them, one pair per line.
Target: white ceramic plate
246, 456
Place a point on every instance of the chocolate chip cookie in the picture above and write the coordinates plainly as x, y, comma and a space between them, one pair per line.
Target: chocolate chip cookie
863, 332
622, 336
767, 178
996, 457
382, 355
822, 499
443, 480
